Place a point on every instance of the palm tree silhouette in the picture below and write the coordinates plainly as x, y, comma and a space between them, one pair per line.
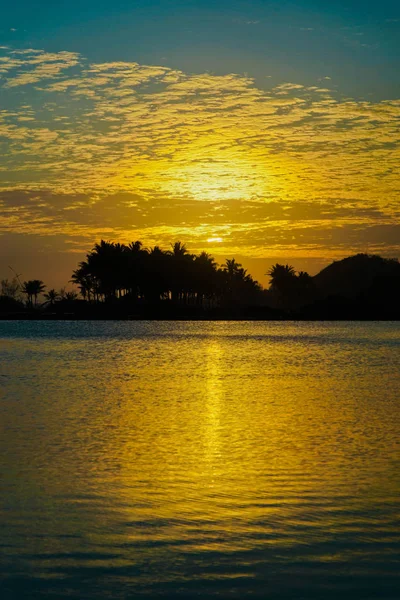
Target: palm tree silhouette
86, 281
232, 267
32, 289
283, 282
180, 272
178, 249
155, 276
205, 278
280, 275
114, 272
51, 296
70, 296
238, 286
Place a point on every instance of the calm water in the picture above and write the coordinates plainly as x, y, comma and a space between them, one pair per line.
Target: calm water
184, 460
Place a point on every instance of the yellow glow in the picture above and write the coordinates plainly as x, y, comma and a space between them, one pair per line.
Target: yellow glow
213, 437
213, 402
220, 180
275, 168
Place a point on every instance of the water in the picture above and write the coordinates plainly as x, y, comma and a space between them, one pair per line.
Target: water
184, 460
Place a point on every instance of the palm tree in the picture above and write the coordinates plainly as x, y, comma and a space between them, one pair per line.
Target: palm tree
104, 264
178, 249
205, 277
70, 296
280, 274
133, 269
135, 246
129, 273
283, 282
86, 282
155, 280
304, 276
238, 286
32, 289
51, 296
232, 267
180, 274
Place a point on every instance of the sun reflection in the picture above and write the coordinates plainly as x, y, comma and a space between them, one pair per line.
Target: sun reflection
214, 391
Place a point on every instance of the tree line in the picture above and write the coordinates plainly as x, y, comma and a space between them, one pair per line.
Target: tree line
120, 276
115, 272
31, 290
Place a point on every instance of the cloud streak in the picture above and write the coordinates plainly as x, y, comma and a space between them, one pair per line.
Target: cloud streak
149, 151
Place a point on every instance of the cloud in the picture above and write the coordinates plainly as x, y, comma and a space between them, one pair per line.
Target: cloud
122, 149
246, 21
31, 66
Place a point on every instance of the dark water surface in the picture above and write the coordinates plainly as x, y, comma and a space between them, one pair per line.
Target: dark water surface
184, 460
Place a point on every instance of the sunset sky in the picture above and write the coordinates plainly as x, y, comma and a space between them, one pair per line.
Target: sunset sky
262, 130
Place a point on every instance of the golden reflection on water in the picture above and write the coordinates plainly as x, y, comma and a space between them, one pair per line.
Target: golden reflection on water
181, 446
214, 357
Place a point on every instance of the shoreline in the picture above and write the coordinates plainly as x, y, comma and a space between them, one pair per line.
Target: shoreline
183, 318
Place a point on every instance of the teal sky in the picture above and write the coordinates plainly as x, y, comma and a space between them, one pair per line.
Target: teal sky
290, 110
354, 42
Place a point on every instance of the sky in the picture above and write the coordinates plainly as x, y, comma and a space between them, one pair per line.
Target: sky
268, 131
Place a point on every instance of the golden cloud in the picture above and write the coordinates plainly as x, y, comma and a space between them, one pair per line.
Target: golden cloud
166, 138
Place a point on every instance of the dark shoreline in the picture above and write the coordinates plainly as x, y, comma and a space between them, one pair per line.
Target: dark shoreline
204, 318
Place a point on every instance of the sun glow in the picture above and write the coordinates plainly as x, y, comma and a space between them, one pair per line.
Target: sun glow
216, 240
213, 175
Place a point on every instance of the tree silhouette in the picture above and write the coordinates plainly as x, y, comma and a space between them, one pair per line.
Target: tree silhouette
86, 282
205, 278
133, 269
114, 272
178, 250
51, 296
283, 284
9, 288
155, 275
32, 289
306, 290
180, 273
238, 286
70, 296
280, 275
127, 277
